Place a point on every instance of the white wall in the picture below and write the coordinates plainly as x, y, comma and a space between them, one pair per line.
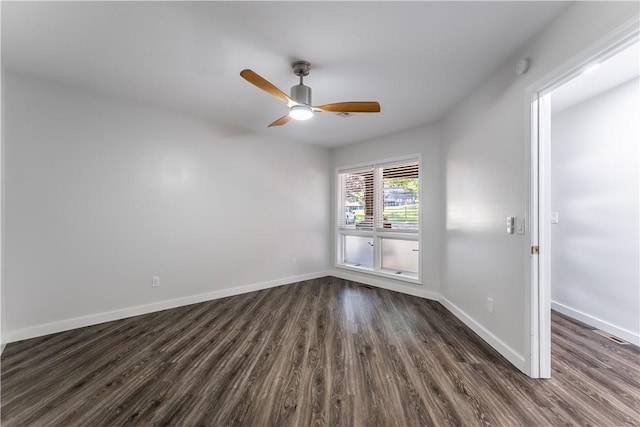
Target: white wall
485, 139
102, 194
594, 179
426, 141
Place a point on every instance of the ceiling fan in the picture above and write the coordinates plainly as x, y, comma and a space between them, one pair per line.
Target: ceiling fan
299, 102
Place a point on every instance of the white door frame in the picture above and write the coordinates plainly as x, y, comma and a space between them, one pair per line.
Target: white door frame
540, 290
537, 100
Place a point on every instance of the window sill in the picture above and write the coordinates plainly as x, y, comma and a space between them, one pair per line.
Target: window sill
387, 234
390, 274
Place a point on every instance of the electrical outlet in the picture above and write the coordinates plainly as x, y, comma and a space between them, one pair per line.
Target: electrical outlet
155, 282
490, 305
294, 261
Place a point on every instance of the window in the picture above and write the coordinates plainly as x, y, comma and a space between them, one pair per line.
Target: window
379, 219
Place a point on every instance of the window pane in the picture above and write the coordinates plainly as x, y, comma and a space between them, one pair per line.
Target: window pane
401, 204
357, 200
358, 251
379, 204
400, 255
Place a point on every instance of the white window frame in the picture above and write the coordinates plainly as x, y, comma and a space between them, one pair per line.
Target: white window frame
374, 233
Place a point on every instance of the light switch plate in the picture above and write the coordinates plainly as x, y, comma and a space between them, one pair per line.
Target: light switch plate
520, 226
511, 224
554, 217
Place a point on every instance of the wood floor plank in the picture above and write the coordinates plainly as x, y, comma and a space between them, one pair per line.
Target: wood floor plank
326, 352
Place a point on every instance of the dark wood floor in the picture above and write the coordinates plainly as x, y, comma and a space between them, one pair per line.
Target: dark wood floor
323, 352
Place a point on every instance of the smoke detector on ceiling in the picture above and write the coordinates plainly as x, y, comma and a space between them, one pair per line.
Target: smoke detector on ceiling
522, 66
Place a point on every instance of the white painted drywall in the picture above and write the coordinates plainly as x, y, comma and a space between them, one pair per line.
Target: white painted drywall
426, 141
594, 180
102, 194
485, 139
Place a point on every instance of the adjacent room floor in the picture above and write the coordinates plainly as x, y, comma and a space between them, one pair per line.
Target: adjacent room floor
322, 352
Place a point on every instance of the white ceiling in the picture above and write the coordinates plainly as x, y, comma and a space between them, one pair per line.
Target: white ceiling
617, 70
418, 59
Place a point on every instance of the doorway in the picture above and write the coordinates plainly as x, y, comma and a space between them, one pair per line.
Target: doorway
560, 91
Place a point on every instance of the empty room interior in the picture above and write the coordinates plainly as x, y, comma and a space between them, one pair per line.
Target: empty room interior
594, 146
320, 213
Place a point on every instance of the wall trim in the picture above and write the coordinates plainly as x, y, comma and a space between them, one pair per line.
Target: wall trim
510, 354
380, 282
108, 316
593, 321
79, 322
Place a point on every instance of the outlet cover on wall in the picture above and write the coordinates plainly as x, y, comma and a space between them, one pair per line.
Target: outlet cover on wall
155, 282
490, 305
520, 225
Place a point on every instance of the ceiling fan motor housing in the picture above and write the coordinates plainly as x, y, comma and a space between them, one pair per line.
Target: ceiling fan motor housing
301, 94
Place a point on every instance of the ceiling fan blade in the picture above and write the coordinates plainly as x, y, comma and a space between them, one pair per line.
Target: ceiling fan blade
263, 84
281, 121
350, 107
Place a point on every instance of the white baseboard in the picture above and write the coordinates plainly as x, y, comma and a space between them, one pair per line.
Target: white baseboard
380, 282
64, 325
590, 320
510, 354
94, 319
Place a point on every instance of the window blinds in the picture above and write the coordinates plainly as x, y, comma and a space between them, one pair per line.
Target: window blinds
398, 207
357, 199
385, 196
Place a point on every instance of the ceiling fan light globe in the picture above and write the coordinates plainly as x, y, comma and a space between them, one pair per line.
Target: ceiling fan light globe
301, 112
